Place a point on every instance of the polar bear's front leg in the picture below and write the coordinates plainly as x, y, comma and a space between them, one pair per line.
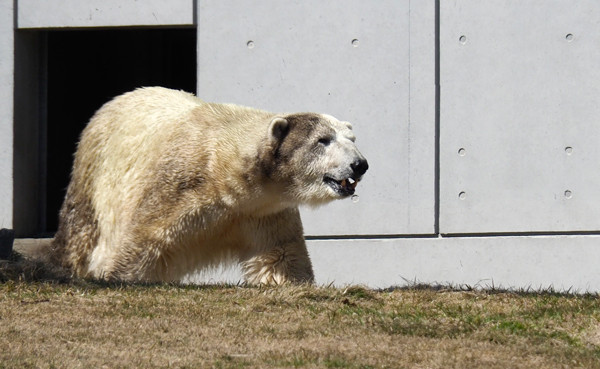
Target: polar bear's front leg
279, 253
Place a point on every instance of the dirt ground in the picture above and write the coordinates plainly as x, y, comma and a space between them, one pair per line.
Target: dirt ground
48, 320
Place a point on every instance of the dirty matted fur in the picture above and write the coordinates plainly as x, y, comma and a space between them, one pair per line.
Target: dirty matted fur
164, 184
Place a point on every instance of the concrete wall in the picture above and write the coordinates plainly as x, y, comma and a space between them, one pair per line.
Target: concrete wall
519, 116
6, 113
478, 119
42, 14
564, 263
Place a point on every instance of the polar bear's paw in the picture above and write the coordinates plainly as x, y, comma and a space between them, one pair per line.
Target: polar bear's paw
279, 266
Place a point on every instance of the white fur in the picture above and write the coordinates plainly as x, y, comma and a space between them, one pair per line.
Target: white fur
141, 146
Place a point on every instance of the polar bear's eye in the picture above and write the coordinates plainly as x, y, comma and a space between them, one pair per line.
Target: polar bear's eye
325, 141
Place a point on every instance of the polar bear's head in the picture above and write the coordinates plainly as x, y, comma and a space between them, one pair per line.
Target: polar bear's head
314, 157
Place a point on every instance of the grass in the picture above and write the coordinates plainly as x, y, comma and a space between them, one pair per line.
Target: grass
50, 321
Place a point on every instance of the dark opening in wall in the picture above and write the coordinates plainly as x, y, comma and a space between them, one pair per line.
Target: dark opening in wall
88, 68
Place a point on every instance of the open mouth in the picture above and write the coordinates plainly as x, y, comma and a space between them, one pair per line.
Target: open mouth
345, 187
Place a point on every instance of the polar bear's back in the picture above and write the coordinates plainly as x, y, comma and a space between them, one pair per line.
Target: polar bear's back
137, 119
124, 140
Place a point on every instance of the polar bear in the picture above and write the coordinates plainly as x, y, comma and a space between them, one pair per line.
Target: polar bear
164, 184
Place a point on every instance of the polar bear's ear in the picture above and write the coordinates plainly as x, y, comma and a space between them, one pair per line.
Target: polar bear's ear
278, 128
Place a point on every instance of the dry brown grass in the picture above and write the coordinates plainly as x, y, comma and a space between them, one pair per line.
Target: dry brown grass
82, 324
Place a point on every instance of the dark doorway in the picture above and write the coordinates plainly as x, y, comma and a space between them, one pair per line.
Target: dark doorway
87, 69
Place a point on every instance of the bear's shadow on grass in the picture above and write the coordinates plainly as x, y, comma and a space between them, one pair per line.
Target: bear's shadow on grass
18, 268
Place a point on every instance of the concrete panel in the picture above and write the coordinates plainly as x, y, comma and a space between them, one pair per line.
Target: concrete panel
103, 13
371, 63
566, 263
562, 262
6, 113
519, 116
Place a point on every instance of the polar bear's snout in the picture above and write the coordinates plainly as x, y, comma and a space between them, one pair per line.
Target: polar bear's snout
345, 183
360, 167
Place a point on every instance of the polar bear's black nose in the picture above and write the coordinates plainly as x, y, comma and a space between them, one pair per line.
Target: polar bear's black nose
359, 167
